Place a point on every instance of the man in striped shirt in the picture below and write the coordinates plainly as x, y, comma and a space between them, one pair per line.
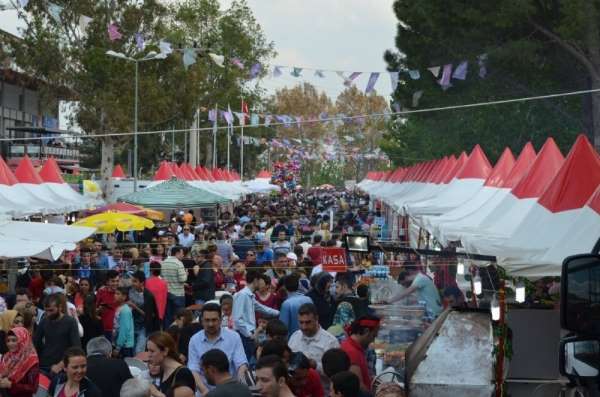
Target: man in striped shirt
174, 273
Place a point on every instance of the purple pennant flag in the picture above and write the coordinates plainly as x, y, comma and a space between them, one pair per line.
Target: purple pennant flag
139, 41
113, 32
277, 71
371, 83
397, 107
323, 116
481, 62
255, 70
446, 74
227, 116
237, 63
350, 79
212, 115
394, 80
460, 72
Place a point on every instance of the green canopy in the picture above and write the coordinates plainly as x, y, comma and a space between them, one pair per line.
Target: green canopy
174, 193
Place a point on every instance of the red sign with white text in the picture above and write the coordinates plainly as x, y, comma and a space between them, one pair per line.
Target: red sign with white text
334, 259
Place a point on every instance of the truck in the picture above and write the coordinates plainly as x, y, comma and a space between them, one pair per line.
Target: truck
579, 359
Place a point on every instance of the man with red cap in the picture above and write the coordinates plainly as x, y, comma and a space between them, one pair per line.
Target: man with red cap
361, 333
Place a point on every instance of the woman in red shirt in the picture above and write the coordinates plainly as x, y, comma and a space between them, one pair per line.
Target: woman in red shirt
265, 295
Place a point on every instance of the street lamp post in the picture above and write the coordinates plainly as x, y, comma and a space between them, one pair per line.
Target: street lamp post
150, 56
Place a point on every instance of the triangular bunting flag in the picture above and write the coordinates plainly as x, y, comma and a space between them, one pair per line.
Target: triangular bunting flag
460, 72
55, 10
296, 72
394, 80
113, 32
84, 22
189, 57
219, 60
414, 74
277, 71
319, 73
435, 70
371, 83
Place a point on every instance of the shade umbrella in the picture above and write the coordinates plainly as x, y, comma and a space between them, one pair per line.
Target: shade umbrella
129, 209
110, 222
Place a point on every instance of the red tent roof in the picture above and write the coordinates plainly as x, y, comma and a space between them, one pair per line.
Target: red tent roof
460, 162
201, 173
164, 172
594, 201
521, 167
25, 172
207, 173
477, 166
217, 174
439, 167
502, 169
50, 172
545, 167
427, 170
178, 172
118, 172
450, 164
6, 175
400, 171
577, 179
267, 174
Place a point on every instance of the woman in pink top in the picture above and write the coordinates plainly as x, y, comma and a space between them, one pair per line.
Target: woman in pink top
158, 287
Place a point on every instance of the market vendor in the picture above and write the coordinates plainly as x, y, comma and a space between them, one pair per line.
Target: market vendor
422, 286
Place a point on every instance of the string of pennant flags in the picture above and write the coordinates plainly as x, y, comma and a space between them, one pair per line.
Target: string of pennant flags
443, 74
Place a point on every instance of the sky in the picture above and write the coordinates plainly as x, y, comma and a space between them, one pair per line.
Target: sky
346, 35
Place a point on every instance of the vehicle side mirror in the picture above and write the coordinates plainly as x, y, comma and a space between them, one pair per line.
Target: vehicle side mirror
580, 295
580, 357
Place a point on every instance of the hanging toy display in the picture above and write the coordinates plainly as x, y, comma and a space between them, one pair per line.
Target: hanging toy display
286, 174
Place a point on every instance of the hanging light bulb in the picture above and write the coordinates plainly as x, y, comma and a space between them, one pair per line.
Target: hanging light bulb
520, 292
460, 266
477, 287
495, 308
45, 220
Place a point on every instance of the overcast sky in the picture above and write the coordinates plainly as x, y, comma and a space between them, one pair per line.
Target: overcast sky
348, 35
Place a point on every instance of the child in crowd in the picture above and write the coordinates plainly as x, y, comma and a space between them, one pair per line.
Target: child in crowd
260, 333
226, 303
123, 326
239, 275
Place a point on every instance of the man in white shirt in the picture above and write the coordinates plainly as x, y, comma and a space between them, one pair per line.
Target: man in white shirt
186, 239
311, 339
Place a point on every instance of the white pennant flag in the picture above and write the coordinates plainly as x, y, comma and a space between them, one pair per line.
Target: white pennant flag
84, 22
435, 70
219, 60
394, 80
165, 47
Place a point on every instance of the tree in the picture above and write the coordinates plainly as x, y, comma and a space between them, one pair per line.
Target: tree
527, 44
363, 134
170, 94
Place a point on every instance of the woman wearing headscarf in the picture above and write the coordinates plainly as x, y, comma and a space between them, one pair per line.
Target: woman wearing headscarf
19, 367
7, 319
321, 297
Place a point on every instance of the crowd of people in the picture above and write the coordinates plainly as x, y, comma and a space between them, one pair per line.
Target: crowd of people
237, 307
